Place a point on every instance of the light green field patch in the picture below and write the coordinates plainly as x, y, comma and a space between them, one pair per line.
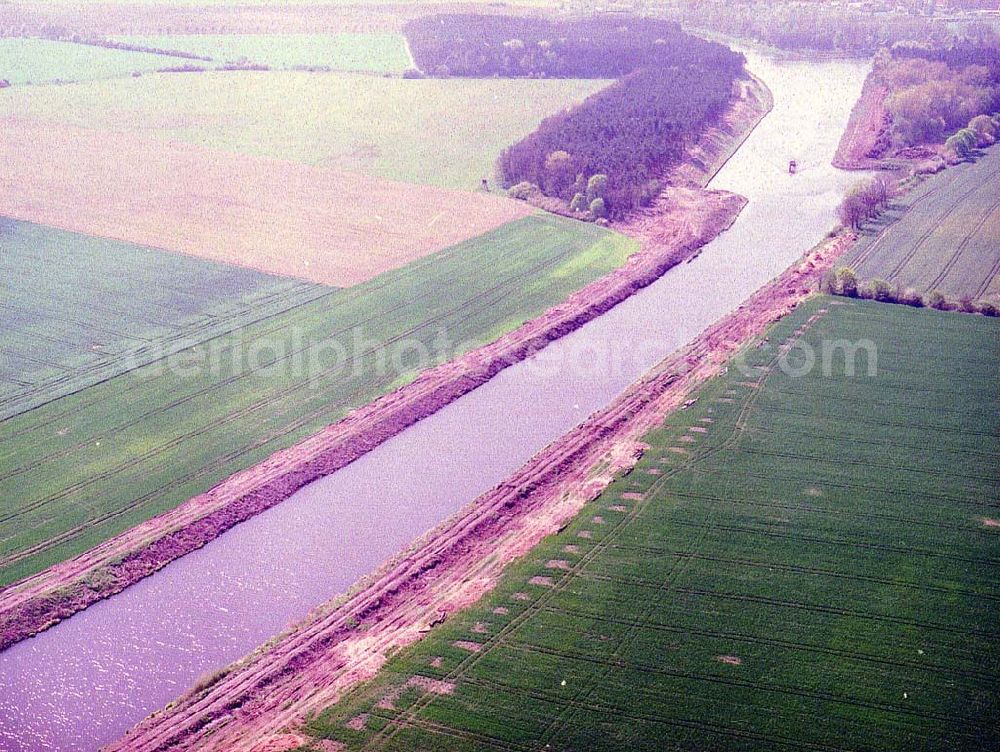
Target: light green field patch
349, 52
438, 132
42, 61
614, 247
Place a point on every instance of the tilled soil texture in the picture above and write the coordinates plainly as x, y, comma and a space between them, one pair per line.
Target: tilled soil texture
318, 224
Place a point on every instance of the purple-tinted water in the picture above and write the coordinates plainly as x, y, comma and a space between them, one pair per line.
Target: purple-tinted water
84, 682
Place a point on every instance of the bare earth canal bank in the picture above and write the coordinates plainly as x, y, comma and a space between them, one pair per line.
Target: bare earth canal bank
84, 682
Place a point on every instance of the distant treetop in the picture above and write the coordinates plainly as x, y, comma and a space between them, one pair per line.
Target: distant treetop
515, 47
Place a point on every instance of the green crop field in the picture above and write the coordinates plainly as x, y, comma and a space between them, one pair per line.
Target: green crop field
796, 563
352, 52
78, 309
42, 61
944, 235
85, 467
431, 131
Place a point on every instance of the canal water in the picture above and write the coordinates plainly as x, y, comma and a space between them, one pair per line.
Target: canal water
87, 680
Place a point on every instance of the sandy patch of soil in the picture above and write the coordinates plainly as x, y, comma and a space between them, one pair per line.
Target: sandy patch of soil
327, 745
358, 722
436, 686
322, 225
633, 496
990, 522
731, 660
557, 564
288, 742
472, 647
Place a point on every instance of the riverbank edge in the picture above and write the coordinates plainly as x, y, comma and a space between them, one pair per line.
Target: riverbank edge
261, 702
40, 601
867, 123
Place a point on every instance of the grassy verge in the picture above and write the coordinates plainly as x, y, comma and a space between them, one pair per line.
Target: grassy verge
797, 562
83, 468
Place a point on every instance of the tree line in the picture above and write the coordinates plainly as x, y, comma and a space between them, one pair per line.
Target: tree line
934, 92
472, 45
671, 85
808, 26
844, 281
632, 133
865, 200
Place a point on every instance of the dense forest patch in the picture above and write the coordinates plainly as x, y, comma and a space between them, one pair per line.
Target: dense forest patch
604, 156
935, 91
809, 26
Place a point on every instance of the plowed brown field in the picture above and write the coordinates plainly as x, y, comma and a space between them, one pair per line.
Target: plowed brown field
318, 224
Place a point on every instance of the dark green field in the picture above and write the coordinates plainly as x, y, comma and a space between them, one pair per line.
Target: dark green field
78, 309
944, 235
85, 467
809, 567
